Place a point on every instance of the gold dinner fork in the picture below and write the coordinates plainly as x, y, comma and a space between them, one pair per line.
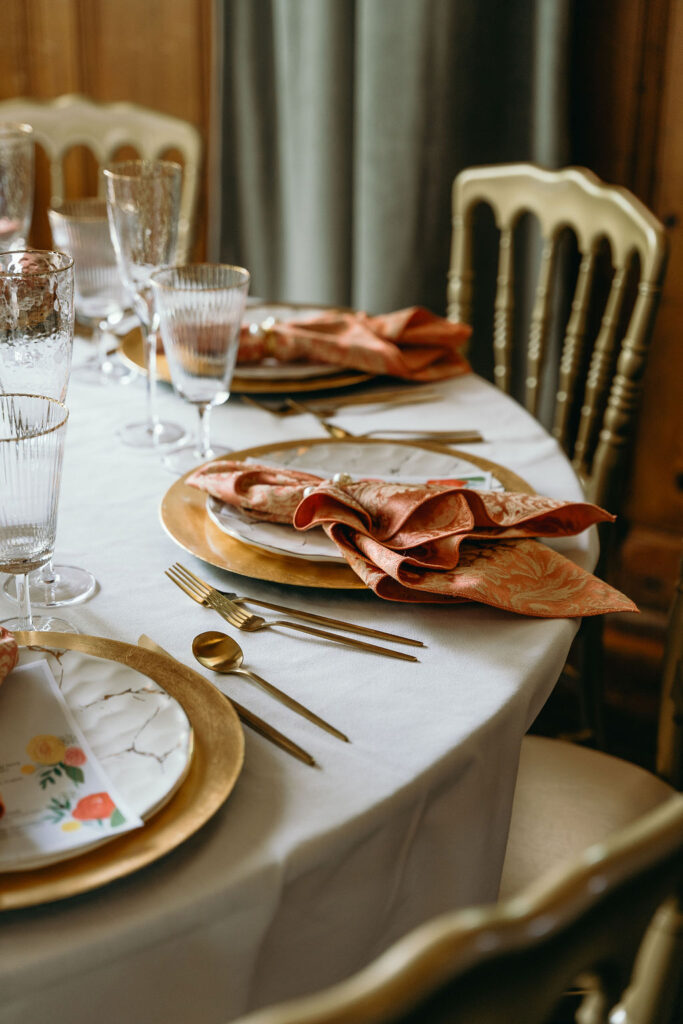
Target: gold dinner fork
204, 594
440, 436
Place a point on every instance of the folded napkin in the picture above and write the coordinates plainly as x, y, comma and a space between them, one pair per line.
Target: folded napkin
410, 343
9, 652
437, 542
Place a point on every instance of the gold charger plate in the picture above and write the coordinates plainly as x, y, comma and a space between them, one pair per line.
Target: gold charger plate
131, 350
184, 517
216, 762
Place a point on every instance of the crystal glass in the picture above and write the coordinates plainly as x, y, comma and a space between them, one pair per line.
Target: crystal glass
80, 227
32, 433
36, 345
16, 184
199, 309
143, 201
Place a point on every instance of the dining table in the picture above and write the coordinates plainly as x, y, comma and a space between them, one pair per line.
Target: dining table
304, 873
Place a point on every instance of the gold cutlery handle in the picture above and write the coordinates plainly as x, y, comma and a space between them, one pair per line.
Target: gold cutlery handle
358, 645
290, 702
269, 732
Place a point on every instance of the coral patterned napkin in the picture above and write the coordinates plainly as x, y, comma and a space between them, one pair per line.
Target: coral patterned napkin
410, 343
9, 652
55, 798
435, 542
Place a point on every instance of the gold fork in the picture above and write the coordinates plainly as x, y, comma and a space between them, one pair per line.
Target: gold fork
204, 594
440, 436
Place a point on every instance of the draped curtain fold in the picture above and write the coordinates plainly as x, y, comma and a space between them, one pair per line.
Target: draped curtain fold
344, 123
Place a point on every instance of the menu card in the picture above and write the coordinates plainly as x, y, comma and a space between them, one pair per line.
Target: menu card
54, 795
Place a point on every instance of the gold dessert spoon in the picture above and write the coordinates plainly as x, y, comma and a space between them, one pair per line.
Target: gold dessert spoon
220, 653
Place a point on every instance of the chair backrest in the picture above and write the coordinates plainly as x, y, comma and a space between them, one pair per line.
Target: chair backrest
105, 128
512, 961
670, 732
599, 379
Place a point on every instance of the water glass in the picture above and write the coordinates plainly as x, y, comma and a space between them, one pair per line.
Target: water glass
17, 151
143, 203
200, 309
80, 227
32, 434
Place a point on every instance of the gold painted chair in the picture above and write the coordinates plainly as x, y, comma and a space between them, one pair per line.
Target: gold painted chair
61, 124
511, 962
598, 381
584, 370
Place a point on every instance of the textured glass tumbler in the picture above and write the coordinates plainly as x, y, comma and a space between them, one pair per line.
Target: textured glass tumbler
36, 346
80, 227
32, 434
143, 202
17, 154
200, 309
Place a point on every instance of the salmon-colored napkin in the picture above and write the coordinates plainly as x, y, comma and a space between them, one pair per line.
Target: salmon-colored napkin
9, 652
410, 343
437, 542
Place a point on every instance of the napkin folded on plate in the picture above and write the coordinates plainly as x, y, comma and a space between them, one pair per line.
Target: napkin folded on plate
410, 343
9, 652
433, 542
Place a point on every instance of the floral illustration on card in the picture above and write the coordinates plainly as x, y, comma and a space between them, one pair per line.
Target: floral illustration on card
94, 809
54, 757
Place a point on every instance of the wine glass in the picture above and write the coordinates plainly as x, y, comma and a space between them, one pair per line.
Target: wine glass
36, 345
199, 308
81, 228
17, 152
143, 201
32, 433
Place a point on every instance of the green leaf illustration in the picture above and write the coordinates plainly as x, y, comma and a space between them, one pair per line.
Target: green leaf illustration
74, 773
117, 818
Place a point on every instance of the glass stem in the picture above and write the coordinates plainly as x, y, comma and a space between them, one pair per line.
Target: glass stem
100, 340
24, 601
48, 576
204, 430
150, 339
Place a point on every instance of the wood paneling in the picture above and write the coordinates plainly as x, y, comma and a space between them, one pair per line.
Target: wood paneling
152, 52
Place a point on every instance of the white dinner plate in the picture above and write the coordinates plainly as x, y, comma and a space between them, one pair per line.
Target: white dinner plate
392, 462
271, 369
140, 735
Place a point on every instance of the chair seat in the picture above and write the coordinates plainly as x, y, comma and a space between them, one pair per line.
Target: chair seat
567, 798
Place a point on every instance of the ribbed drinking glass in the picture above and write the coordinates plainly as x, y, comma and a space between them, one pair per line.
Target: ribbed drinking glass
32, 433
17, 152
200, 309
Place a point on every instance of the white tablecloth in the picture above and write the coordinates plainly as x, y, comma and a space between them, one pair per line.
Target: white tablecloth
304, 874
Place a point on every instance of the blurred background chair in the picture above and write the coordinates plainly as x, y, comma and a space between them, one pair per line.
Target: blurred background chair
512, 962
105, 130
568, 328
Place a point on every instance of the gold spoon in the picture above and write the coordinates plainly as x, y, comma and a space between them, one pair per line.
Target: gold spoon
222, 654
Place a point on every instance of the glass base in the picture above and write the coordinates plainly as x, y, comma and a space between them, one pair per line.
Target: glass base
69, 585
41, 623
144, 435
182, 460
111, 371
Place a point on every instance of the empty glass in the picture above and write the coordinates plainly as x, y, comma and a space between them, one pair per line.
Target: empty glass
32, 433
80, 227
16, 184
143, 201
200, 309
36, 345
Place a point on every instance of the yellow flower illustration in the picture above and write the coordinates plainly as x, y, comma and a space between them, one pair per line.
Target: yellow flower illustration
46, 749
28, 769
71, 826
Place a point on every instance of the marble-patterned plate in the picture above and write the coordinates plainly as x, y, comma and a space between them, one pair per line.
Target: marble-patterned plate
140, 735
382, 461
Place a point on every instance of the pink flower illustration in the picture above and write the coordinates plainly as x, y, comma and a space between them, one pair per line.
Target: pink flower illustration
94, 806
74, 756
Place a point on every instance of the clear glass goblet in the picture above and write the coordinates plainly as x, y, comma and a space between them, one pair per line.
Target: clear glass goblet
32, 434
17, 153
36, 345
143, 201
200, 309
80, 227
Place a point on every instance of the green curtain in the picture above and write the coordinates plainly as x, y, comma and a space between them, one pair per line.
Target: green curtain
344, 122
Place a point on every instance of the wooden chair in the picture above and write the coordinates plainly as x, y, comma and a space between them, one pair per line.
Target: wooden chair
599, 377
510, 962
104, 129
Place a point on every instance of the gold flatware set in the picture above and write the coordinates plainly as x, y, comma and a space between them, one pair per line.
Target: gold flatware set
340, 433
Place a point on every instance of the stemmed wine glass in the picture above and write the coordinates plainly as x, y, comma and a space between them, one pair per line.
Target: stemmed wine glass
36, 345
200, 309
32, 434
81, 228
143, 201
16, 184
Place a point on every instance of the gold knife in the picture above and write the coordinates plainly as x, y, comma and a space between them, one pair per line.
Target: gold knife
248, 717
